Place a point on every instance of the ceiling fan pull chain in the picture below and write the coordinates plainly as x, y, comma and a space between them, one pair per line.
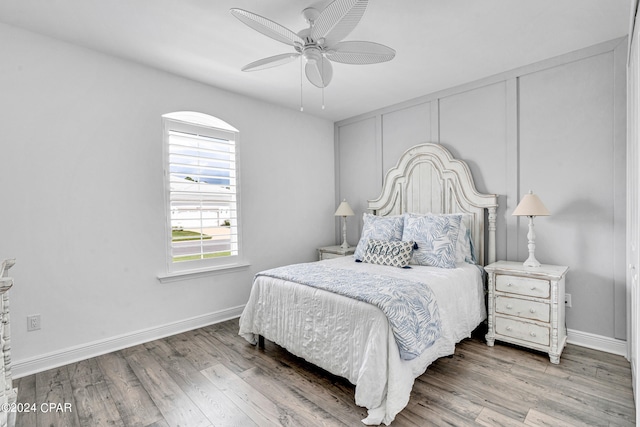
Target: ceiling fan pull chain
301, 106
323, 86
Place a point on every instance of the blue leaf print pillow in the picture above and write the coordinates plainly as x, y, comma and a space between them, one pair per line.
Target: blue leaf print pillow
436, 236
388, 228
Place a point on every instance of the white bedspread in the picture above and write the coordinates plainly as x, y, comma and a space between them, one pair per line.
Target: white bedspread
353, 339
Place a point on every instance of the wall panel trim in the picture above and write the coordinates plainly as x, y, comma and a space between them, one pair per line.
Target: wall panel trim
565, 58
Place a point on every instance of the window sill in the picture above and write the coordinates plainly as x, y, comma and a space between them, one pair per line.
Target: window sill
194, 274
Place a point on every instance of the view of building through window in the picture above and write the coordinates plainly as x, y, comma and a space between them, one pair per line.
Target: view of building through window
202, 192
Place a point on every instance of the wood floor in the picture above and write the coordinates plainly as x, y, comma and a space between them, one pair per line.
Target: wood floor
211, 376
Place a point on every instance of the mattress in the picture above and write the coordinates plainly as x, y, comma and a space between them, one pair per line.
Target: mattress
353, 339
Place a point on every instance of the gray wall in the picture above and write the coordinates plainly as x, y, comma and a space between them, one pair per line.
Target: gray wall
556, 127
81, 169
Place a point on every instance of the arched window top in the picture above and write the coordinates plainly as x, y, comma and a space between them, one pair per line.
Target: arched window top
200, 119
202, 192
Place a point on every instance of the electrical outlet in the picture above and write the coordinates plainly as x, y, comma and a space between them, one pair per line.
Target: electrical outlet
33, 322
567, 300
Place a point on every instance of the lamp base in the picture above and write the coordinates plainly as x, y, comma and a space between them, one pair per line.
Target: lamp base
531, 235
344, 244
531, 262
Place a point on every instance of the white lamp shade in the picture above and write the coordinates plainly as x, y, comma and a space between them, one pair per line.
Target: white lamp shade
344, 209
531, 205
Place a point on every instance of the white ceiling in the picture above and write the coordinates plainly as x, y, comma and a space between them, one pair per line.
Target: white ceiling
439, 43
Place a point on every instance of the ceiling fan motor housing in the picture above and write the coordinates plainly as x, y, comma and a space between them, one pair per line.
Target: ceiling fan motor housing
312, 54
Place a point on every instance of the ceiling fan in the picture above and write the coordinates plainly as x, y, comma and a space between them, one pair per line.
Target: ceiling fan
321, 42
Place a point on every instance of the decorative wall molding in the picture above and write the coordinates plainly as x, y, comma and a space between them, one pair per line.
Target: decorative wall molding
63, 357
597, 342
577, 55
498, 125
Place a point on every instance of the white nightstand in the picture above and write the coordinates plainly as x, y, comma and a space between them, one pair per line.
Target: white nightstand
526, 306
329, 252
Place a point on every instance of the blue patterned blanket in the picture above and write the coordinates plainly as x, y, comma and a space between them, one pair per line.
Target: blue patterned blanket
410, 306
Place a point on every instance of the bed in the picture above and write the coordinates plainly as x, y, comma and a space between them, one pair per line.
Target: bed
354, 338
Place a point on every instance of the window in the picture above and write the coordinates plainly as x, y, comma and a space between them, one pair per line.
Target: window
202, 191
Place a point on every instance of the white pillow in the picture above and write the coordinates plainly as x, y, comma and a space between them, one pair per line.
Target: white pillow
465, 252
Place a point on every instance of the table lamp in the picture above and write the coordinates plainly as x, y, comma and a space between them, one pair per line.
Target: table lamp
344, 210
531, 206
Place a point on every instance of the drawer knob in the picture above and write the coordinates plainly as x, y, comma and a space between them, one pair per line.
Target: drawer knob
531, 310
509, 306
533, 334
508, 328
533, 288
509, 284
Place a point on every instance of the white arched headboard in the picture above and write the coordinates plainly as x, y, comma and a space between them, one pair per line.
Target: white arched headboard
427, 179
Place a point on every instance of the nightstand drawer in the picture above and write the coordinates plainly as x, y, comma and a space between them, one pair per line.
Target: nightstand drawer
328, 252
329, 255
522, 330
522, 285
523, 308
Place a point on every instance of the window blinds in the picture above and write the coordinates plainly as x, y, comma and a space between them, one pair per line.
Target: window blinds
202, 182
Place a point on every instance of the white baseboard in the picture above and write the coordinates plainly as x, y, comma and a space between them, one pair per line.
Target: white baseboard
21, 368
597, 342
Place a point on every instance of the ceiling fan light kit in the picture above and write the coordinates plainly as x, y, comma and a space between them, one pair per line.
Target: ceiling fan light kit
321, 43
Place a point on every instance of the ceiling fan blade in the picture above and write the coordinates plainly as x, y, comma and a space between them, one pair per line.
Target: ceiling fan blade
272, 61
356, 52
337, 20
319, 73
267, 27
